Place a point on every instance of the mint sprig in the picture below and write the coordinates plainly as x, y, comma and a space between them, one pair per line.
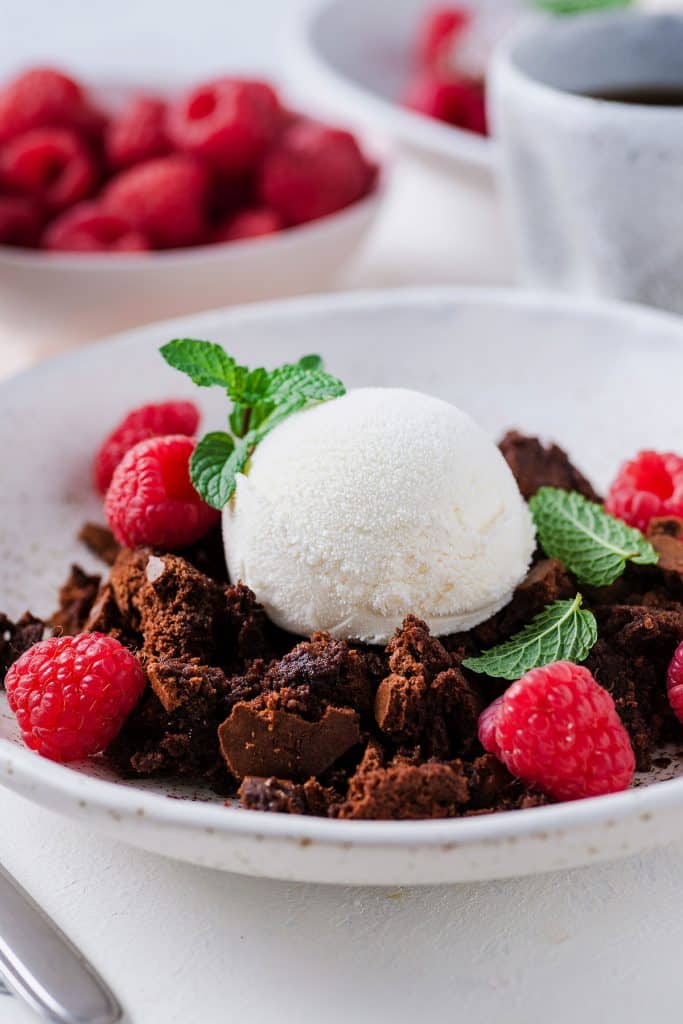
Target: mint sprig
592, 544
261, 399
564, 631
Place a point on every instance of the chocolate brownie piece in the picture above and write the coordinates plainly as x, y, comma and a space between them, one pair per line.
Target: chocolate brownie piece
105, 617
321, 671
285, 797
666, 536
182, 743
401, 789
279, 796
16, 638
186, 684
180, 612
630, 659
261, 737
249, 632
99, 540
535, 466
492, 788
547, 581
76, 598
423, 700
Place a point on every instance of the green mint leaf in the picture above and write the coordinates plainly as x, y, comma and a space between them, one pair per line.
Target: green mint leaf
208, 365
247, 387
293, 382
311, 362
260, 401
562, 632
214, 466
579, 6
592, 544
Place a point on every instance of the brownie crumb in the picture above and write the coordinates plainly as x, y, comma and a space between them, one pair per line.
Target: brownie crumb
179, 612
279, 796
320, 671
105, 617
535, 465
76, 598
184, 684
423, 700
630, 659
404, 790
16, 638
666, 536
99, 540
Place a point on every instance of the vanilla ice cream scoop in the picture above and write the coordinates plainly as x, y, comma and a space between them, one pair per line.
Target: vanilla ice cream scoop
361, 510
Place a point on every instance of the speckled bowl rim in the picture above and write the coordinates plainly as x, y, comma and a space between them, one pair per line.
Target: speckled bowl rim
58, 786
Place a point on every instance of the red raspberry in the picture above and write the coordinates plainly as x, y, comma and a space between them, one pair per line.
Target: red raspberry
51, 164
20, 221
488, 722
138, 133
151, 499
88, 227
649, 485
252, 223
152, 420
42, 98
559, 731
674, 683
72, 694
229, 122
314, 171
457, 101
163, 198
439, 29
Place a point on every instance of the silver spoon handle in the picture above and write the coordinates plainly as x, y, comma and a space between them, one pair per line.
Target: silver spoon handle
44, 968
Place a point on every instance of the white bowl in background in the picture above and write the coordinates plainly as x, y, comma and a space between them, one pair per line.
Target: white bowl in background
587, 375
65, 298
357, 57
53, 300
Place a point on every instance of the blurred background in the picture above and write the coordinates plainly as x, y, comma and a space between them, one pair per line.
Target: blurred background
440, 221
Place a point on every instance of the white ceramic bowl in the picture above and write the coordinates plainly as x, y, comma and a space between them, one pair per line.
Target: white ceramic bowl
81, 296
54, 299
588, 375
357, 58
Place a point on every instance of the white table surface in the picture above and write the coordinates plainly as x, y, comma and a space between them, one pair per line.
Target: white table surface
180, 944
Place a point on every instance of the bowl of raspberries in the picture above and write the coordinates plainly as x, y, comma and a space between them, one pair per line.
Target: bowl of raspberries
418, 76
115, 213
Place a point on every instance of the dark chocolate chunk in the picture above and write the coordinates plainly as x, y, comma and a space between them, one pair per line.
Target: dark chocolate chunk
260, 738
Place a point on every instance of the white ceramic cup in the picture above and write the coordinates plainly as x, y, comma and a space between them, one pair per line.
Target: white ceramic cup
594, 187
